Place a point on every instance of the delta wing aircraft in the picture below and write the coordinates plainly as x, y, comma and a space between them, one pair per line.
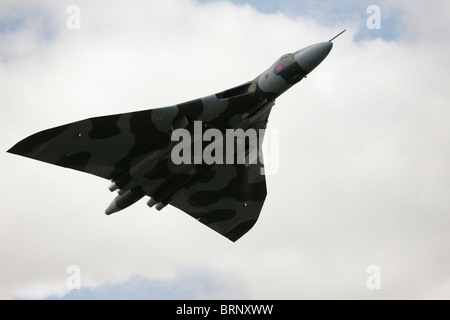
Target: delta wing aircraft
136, 150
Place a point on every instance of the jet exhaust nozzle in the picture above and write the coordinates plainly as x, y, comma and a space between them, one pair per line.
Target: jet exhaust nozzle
113, 186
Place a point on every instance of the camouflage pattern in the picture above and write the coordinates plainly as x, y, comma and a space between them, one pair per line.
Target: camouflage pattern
133, 149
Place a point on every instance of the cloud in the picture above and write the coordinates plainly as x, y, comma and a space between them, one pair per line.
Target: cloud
192, 283
364, 154
350, 14
24, 30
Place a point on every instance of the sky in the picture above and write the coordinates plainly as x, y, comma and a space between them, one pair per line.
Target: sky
359, 207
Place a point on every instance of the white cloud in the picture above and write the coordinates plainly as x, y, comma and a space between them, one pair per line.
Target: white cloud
191, 283
364, 152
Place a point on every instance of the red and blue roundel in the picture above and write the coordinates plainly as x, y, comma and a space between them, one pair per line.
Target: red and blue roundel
278, 69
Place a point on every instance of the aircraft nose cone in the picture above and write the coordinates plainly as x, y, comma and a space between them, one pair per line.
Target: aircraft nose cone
310, 57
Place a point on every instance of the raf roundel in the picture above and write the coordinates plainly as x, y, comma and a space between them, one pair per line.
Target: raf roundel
279, 68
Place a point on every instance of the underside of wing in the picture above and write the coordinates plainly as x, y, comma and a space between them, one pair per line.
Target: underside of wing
103, 146
228, 200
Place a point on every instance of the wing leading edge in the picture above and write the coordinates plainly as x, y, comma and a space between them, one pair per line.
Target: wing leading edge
103, 146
